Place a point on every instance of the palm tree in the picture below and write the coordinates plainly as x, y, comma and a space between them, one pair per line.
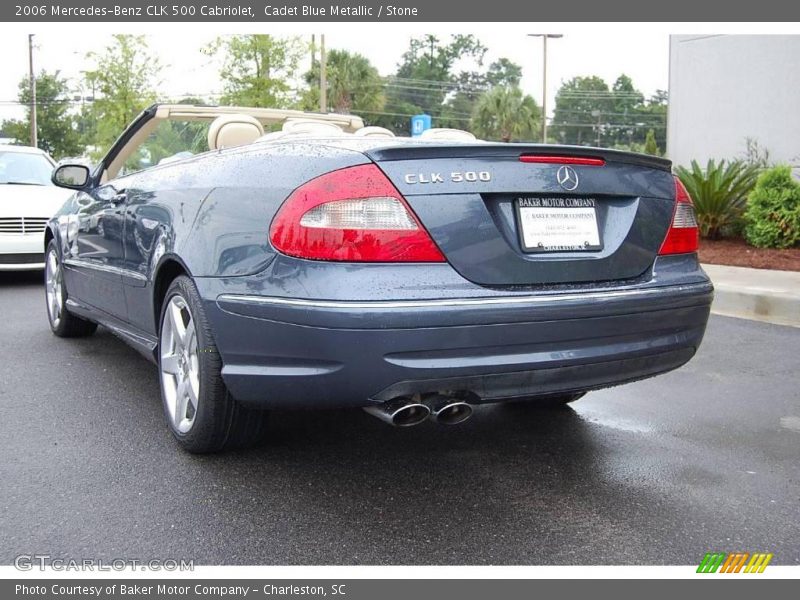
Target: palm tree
504, 113
354, 85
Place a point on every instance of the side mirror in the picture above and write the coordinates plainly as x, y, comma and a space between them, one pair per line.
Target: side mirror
72, 176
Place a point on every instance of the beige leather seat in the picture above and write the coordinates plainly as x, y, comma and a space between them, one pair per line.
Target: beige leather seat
229, 131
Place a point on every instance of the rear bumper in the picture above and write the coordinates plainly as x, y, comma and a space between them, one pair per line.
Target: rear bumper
289, 353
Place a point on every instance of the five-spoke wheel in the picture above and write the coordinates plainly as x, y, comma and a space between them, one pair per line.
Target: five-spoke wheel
53, 282
180, 364
200, 411
62, 322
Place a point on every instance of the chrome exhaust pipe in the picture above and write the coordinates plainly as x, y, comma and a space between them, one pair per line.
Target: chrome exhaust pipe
449, 410
400, 412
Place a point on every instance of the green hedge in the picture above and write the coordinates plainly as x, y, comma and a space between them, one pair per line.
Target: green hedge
772, 216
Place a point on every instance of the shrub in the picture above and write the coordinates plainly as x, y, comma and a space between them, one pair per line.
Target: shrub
719, 192
650, 145
773, 210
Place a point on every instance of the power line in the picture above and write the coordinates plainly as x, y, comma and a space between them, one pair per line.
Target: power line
610, 125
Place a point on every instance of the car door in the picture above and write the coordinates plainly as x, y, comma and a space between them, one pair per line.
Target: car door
96, 251
147, 223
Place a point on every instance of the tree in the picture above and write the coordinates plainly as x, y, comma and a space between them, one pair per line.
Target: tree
576, 101
650, 145
427, 68
257, 69
426, 77
505, 114
123, 83
460, 106
56, 127
503, 72
353, 84
589, 112
654, 115
627, 103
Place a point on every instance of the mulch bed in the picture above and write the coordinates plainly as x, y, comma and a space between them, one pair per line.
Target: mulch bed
737, 253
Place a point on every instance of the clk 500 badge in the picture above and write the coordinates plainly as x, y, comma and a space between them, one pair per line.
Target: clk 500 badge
455, 177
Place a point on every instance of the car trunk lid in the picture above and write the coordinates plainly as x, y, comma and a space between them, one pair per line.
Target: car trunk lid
510, 214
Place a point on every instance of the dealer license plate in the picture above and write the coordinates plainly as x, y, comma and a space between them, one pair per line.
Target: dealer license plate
558, 224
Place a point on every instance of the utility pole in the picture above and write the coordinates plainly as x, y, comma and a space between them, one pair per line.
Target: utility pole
313, 51
544, 37
598, 114
323, 76
34, 138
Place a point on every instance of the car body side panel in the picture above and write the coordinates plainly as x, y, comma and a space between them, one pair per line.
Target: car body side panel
210, 213
222, 226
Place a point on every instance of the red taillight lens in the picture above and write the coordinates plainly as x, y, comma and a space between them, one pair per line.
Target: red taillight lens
683, 235
355, 215
562, 160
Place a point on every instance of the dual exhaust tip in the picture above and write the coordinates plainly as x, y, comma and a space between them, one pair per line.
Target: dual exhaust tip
407, 411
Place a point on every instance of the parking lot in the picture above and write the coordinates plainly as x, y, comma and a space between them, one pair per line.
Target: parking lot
657, 472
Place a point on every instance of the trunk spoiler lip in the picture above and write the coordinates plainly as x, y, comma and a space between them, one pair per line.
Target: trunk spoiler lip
424, 151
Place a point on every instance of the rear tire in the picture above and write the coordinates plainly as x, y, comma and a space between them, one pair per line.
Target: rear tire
200, 412
62, 322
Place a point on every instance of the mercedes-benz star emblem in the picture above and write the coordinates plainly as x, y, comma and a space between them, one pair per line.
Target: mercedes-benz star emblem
567, 178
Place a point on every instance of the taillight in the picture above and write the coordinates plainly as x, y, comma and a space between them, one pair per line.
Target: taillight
683, 235
353, 214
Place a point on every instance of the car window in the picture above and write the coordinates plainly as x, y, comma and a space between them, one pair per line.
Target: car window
24, 168
170, 141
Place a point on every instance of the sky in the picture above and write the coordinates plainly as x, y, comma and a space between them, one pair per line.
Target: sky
642, 54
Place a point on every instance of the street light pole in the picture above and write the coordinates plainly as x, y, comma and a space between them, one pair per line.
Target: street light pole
544, 37
544, 89
34, 128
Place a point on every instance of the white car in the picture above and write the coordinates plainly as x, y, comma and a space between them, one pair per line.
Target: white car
28, 199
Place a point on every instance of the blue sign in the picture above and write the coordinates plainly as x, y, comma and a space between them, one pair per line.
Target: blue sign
420, 123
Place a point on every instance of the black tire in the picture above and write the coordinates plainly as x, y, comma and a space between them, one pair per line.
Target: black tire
553, 401
64, 323
219, 421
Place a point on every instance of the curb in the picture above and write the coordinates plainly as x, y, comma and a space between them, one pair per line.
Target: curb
756, 294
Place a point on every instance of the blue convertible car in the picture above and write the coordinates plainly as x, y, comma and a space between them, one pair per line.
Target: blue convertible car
277, 259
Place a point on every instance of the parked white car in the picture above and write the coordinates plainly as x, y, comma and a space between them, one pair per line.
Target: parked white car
28, 199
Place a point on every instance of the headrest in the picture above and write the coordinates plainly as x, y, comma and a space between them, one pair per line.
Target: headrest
373, 131
229, 131
445, 134
311, 127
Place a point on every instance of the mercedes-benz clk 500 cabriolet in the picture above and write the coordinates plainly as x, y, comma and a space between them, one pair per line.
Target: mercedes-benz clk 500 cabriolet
269, 259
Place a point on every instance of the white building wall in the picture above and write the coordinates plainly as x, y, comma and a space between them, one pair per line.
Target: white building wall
726, 88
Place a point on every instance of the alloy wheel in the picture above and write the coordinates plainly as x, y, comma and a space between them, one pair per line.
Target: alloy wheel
180, 364
53, 283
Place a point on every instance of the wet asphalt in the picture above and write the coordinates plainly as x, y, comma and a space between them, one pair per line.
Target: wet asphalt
656, 472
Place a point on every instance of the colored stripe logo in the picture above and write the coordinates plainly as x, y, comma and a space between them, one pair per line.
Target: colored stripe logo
735, 562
